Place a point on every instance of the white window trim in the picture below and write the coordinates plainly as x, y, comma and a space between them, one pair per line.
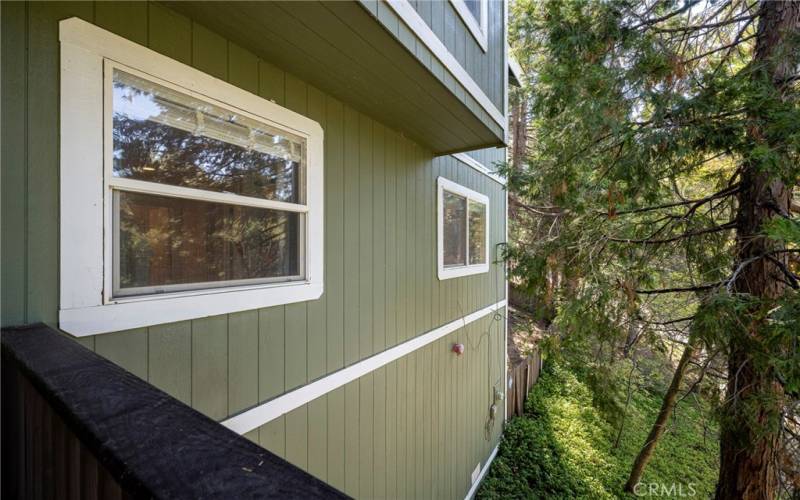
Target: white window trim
446, 273
86, 306
478, 28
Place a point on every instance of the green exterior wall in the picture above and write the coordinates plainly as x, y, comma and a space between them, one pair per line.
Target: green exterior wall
485, 68
482, 66
381, 287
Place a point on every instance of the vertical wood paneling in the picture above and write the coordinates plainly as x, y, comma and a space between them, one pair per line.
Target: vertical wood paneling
379, 259
128, 349
336, 438
379, 433
364, 242
391, 431
170, 33
243, 366
317, 309
42, 126
334, 234
210, 366
295, 349
209, 52
272, 436
352, 266
270, 352
352, 432
318, 438
271, 82
126, 19
13, 272
297, 437
169, 353
243, 68
390, 194
366, 440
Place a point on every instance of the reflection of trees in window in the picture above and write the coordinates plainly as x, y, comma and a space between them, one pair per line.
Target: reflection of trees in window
477, 233
165, 241
455, 230
149, 151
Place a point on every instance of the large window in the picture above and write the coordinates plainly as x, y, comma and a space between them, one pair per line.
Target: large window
462, 230
182, 196
169, 150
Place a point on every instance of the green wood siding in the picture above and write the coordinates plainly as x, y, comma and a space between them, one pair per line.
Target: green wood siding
412, 428
486, 68
415, 428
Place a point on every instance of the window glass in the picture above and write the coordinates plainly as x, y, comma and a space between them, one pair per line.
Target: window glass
455, 230
477, 233
167, 241
168, 137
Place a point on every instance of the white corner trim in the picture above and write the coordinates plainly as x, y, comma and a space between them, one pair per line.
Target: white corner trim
86, 302
266, 412
480, 167
406, 12
477, 28
477, 483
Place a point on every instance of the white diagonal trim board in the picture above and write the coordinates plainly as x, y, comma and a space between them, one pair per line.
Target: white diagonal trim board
406, 12
266, 412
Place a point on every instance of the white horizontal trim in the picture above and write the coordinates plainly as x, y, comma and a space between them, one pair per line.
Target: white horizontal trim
480, 167
134, 312
477, 28
474, 489
154, 188
406, 12
264, 413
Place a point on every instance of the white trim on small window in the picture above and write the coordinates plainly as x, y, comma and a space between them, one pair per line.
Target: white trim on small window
478, 28
472, 197
88, 304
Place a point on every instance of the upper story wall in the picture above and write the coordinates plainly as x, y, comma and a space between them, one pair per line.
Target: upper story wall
439, 38
381, 287
484, 66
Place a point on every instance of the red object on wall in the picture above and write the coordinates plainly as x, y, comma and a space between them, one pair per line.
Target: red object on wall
458, 349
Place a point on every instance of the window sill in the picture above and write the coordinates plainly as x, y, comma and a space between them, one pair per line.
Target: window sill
458, 272
156, 310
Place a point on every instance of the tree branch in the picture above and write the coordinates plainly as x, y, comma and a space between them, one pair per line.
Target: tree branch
690, 234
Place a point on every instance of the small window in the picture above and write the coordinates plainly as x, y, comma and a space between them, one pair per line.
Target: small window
474, 14
181, 196
463, 230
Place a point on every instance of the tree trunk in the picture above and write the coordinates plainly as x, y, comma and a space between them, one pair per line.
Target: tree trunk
749, 435
660, 424
519, 128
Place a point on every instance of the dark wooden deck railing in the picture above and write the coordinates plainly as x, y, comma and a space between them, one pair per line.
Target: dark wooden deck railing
75, 425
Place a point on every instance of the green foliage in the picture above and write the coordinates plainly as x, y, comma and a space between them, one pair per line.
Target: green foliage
563, 446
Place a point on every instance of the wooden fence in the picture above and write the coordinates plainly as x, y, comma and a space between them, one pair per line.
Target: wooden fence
523, 375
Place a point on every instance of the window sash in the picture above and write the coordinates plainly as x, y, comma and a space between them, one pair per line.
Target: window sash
112, 290
469, 202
